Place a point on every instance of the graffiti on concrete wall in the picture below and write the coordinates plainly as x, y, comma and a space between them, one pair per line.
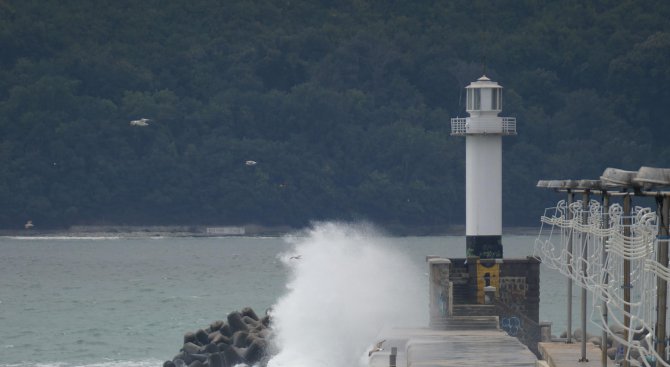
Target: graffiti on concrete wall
511, 325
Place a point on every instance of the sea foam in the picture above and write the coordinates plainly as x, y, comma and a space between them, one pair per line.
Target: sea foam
347, 284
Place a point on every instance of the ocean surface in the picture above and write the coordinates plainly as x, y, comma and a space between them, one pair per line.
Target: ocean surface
115, 301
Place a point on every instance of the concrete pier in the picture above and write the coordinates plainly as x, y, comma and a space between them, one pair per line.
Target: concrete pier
482, 313
429, 347
407, 347
561, 354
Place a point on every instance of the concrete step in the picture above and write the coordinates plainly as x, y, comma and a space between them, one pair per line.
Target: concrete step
474, 310
463, 294
466, 323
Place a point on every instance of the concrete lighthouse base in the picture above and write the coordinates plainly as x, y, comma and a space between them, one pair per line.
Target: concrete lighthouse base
485, 247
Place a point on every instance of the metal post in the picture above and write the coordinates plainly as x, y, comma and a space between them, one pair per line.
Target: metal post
661, 283
571, 196
606, 221
627, 204
585, 218
545, 331
393, 357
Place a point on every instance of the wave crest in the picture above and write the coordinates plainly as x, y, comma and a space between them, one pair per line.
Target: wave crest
347, 284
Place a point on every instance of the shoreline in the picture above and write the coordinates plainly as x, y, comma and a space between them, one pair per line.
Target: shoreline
127, 231
233, 231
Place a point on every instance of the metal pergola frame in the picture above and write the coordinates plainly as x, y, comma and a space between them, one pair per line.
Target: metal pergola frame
647, 181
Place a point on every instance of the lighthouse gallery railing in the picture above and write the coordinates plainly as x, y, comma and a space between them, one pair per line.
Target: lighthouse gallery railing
460, 126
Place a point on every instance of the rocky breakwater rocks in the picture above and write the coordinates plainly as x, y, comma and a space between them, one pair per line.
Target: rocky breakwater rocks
243, 339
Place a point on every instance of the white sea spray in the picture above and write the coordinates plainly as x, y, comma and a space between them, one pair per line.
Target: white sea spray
347, 284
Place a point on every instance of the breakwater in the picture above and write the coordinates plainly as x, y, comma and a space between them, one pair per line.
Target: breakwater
242, 339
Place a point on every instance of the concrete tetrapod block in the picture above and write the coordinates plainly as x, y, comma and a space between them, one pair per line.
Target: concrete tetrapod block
249, 312
255, 351
210, 348
240, 339
232, 357
202, 337
190, 348
236, 323
216, 325
189, 337
225, 330
215, 360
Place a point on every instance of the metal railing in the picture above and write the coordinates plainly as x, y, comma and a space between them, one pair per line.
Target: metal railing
509, 125
460, 127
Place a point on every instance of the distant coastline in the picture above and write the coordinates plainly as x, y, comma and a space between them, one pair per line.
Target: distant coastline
150, 231
249, 230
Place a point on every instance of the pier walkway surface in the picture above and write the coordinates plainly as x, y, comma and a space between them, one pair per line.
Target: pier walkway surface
423, 347
561, 354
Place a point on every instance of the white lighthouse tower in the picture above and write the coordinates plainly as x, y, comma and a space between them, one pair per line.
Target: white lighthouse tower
483, 132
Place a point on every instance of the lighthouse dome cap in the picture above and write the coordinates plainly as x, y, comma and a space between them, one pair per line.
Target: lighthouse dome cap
484, 82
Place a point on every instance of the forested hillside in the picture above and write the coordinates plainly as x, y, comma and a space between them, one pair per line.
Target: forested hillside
345, 106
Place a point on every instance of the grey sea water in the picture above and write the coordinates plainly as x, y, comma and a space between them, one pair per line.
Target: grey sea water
110, 301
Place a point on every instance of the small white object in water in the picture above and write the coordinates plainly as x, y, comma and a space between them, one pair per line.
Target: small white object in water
140, 122
250, 163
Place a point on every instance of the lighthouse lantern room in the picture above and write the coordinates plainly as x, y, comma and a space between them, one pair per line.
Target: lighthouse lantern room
483, 132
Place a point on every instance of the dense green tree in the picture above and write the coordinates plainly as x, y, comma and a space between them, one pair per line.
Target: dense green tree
344, 106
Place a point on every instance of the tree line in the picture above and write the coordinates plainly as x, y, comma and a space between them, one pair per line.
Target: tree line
344, 106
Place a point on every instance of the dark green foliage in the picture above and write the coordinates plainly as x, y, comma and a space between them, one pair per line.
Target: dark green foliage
345, 106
